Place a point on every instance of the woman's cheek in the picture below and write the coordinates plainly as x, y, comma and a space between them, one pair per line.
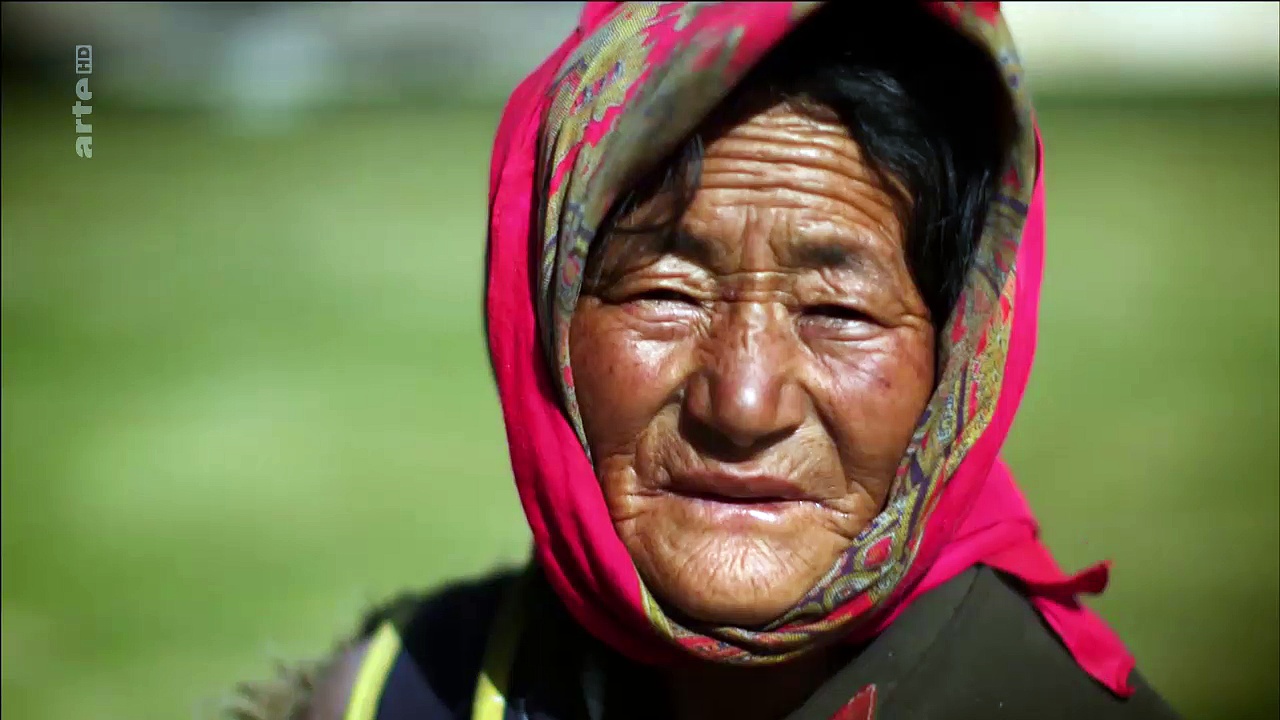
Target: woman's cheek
624, 374
876, 398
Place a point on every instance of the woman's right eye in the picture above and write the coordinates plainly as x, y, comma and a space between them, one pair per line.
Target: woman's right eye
662, 295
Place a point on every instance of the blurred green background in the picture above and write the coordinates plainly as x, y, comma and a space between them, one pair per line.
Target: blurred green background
245, 393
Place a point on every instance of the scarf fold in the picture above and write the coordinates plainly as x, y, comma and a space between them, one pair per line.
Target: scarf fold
620, 92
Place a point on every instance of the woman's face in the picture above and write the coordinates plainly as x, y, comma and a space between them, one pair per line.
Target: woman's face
749, 385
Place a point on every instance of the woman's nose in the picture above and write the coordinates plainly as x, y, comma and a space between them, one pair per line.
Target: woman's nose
746, 390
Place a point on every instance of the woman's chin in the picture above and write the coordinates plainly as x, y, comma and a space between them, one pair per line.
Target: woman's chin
732, 578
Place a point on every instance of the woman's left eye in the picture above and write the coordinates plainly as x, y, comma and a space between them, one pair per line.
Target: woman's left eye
836, 313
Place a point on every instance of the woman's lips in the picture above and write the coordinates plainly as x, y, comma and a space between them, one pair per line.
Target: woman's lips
725, 498
738, 488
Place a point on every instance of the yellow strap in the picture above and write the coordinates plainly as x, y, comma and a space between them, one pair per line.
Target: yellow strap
490, 701
376, 666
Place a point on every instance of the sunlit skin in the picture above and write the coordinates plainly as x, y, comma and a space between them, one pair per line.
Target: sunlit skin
749, 385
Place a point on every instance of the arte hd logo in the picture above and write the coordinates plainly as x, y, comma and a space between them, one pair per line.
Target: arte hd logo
84, 130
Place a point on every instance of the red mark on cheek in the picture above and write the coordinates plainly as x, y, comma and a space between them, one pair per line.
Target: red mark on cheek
884, 383
877, 373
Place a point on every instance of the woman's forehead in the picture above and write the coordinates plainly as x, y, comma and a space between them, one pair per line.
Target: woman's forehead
780, 187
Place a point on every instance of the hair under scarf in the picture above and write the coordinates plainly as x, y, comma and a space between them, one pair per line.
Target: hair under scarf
622, 90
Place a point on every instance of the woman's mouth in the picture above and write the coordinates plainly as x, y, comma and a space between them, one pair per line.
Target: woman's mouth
733, 498
738, 488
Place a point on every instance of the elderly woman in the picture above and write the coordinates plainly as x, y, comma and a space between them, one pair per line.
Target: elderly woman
761, 303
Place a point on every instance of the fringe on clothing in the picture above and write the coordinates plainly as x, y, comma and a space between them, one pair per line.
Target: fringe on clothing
288, 696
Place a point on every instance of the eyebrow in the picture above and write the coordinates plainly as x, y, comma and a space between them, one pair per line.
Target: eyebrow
822, 254
817, 253
685, 244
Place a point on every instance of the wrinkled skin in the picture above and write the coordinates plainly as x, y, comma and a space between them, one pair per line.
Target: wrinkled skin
748, 387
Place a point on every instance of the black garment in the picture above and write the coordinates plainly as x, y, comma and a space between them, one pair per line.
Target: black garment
972, 649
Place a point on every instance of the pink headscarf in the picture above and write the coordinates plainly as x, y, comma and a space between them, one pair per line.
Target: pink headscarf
626, 86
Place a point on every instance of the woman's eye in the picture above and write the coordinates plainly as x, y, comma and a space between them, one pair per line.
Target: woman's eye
662, 295
837, 313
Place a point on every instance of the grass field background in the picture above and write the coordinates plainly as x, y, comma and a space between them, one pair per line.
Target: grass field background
245, 393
